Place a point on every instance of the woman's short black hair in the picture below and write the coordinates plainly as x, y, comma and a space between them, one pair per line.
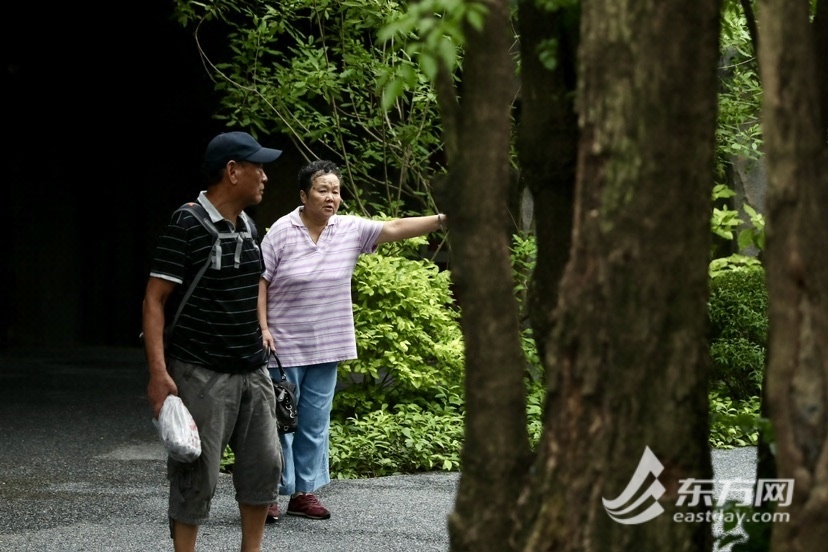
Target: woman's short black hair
314, 169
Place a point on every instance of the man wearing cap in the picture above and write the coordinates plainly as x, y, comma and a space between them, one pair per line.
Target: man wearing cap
214, 359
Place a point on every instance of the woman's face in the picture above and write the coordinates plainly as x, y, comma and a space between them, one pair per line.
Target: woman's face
323, 200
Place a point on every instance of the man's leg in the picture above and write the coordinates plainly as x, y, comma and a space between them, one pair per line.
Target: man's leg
253, 524
258, 457
184, 536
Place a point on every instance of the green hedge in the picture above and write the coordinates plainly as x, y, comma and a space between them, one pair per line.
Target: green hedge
738, 310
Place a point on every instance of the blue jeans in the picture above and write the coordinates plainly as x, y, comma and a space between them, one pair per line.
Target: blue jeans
306, 451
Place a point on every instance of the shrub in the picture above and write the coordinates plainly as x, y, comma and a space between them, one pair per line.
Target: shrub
410, 439
405, 439
737, 308
409, 341
738, 305
733, 423
737, 367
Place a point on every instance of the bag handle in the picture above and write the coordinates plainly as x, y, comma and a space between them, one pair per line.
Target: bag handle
278, 363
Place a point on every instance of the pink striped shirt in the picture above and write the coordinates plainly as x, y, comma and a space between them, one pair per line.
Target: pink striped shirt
309, 308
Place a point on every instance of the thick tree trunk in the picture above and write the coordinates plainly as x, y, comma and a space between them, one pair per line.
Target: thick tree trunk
548, 147
628, 361
496, 444
797, 270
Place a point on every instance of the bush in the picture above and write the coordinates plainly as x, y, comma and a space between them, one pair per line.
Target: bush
402, 408
399, 408
738, 305
405, 439
737, 308
410, 439
733, 423
409, 340
738, 367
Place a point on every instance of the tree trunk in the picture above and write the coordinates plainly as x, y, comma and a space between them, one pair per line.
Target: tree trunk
547, 148
628, 361
797, 270
496, 443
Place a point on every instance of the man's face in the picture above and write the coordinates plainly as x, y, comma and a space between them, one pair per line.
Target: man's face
250, 180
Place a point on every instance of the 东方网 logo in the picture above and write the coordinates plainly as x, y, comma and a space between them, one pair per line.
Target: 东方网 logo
627, 507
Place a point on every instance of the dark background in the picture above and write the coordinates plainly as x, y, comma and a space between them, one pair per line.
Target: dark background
106, 111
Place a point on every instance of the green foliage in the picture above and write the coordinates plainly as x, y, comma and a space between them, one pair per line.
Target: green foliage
535, 399
410, 438
733, 423
733, 263
754, 235
724, 221
315, 72
738, 305
432, 32
747, 227
738, 132
738, 366
737, 309
523, 256
405, 439
228, 458
738, 136
409, 340
739, 330
418, 431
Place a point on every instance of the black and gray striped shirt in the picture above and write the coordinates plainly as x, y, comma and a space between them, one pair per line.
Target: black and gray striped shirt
218, 327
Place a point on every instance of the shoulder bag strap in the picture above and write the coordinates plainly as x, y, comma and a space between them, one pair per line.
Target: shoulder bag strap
197, 210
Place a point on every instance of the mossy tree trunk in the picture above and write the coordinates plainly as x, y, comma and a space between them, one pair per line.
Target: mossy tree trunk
628, 358
794, 78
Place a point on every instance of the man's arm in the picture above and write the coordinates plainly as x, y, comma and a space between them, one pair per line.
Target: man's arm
160, 383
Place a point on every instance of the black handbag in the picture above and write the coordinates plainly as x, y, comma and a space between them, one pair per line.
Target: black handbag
286, 413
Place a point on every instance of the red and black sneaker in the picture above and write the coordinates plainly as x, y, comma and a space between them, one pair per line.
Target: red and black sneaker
307, 505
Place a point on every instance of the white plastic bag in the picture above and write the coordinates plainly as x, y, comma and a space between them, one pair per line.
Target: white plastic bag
178, 430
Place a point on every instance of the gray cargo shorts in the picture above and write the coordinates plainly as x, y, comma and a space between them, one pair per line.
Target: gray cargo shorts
234, 409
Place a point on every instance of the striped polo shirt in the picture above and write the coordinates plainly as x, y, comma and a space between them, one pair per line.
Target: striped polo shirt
219, 326
309, 308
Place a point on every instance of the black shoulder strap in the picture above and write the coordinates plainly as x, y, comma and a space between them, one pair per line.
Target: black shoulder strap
251, 227
214, 257
199, 212
204, 218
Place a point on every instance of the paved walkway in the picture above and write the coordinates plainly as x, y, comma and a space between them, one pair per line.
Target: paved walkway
82, 469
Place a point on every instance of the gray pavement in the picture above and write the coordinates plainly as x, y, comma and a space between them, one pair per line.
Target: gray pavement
82, 469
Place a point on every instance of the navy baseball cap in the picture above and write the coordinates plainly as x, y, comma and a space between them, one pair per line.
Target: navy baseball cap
238, 146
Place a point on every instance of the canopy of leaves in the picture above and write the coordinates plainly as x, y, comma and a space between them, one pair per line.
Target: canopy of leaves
315, 71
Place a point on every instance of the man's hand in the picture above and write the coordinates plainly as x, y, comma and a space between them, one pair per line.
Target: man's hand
159, 387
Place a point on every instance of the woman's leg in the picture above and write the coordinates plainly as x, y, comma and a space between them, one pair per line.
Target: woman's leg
306, 450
